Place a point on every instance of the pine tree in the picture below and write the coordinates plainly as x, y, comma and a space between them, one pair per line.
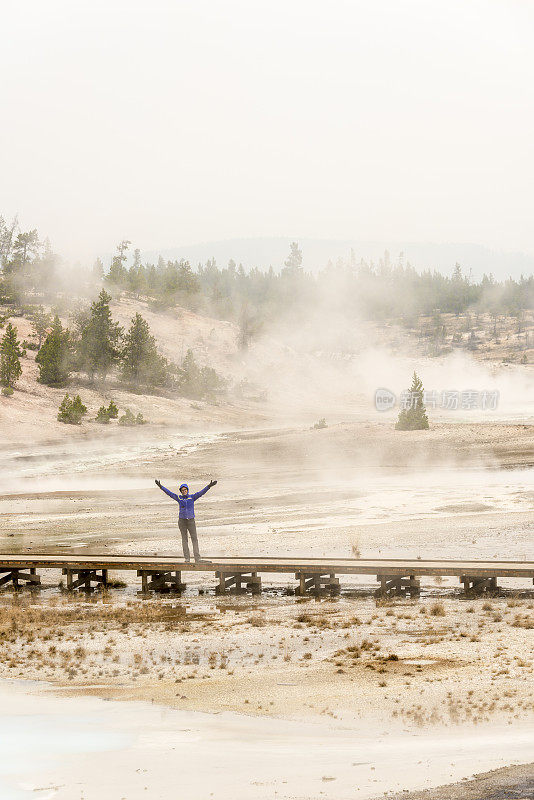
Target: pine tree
99, 346
198, 382
104, 415
44, 267
458, 289
54, 356
190, 377
10, 354
187, 280
247, 327
72, 410
141, 362
127, 419
293, 262
25, 246
98, 269
414, 417
7, 235
40, 323
118, 273
136, 274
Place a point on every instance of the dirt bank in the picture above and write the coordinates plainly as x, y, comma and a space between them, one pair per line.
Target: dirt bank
500, 784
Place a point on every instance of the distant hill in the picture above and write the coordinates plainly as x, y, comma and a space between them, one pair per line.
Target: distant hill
272, 251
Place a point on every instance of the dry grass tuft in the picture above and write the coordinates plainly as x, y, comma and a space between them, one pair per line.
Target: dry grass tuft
256, 621
523, 621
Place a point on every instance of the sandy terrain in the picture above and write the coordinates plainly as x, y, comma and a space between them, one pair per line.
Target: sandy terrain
30, 416
445, 673
293, 492
439, 664
85, 748
281, 380
438, 661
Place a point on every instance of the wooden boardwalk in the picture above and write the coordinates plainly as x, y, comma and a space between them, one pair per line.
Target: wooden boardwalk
240, 574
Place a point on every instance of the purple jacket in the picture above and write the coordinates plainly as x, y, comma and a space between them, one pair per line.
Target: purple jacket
187, 504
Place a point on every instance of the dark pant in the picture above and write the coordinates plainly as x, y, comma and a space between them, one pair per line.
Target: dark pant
189, 525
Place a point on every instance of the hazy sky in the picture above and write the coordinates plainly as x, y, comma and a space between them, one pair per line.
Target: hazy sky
174, 122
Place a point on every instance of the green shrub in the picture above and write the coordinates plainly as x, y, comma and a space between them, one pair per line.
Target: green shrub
105, 414
102, 416
7, 391
71, 410
320, 425
127, 418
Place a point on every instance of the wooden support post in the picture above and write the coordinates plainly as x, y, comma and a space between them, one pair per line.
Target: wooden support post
160, 581
238, 582
391, 585
20, 579
317, 583
83, 579
474, 584
144, 582
334, 586
254, 583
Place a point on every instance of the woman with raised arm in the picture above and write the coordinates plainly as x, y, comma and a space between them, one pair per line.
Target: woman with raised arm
186, 517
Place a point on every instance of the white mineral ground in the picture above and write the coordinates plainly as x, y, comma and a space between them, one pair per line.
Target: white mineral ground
86, 748
268, 697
